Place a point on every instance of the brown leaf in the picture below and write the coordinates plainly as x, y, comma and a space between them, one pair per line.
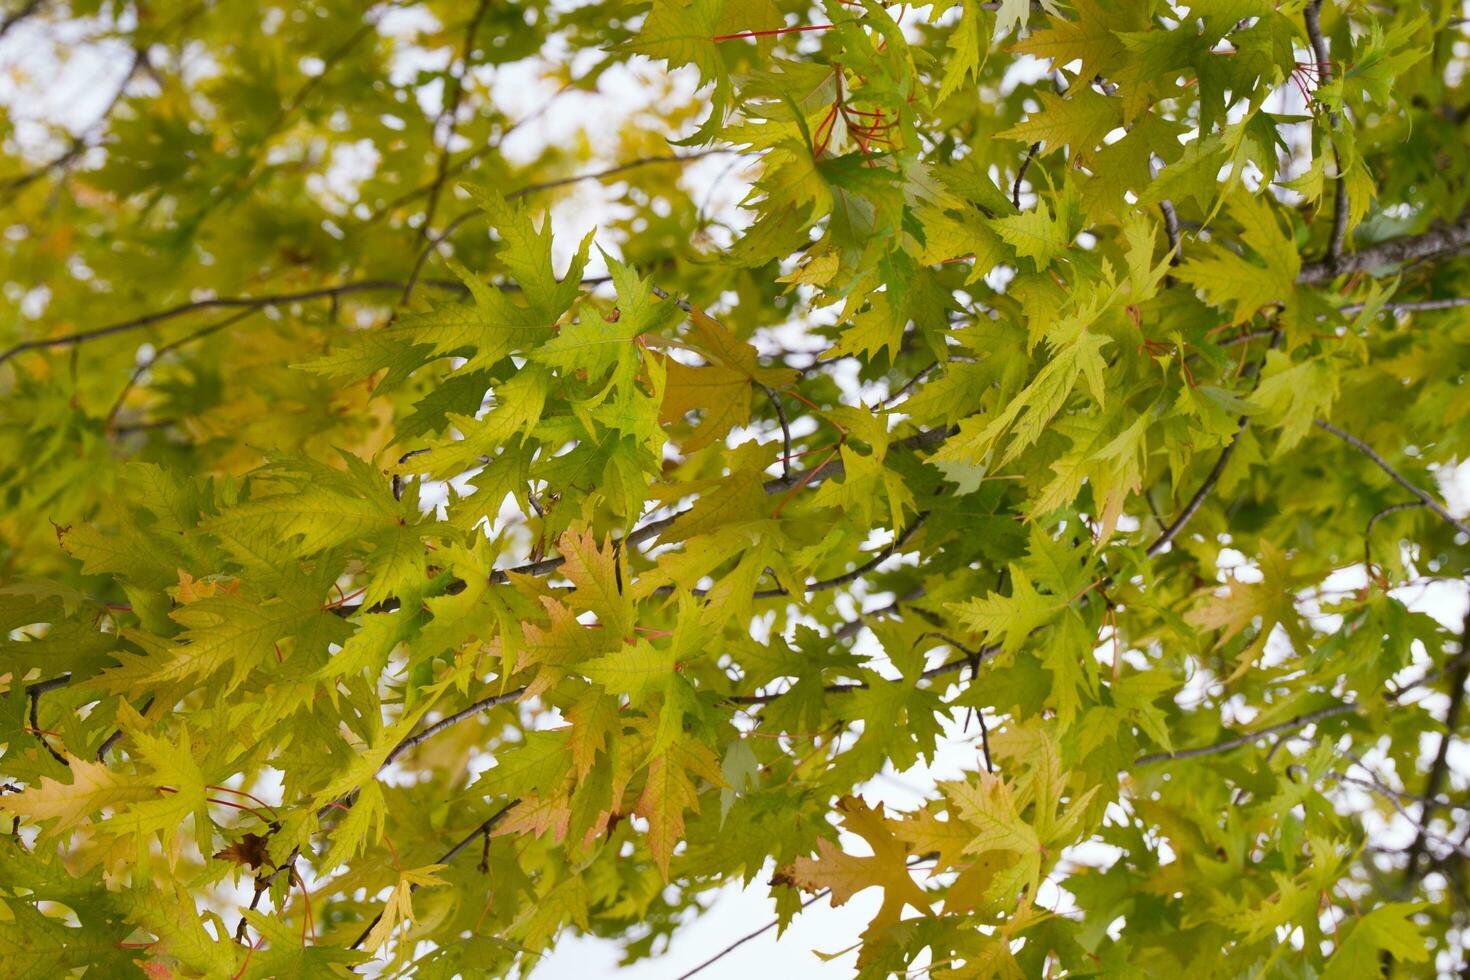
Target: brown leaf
249, 850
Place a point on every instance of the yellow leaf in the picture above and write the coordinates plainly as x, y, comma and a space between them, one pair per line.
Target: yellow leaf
93, 788
670, 791
722, 387
399, 907
844, 875
594, 571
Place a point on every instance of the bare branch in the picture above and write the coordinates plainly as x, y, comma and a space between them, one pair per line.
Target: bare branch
1021, 174
450, 112
460, 220
1171, 228
878, 557
652, 529
217, 303
168, 348
39, 734
1373, 522
1397, 477
775, 400
449, 855
1208, 486
1443, 241
1459, 672
1240, 741
816, 897
418, 738
1414, 306
1312, 15
80, 143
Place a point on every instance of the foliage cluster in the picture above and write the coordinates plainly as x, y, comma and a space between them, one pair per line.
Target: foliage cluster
1072, 389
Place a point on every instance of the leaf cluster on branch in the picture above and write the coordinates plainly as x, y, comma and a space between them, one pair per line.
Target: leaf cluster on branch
397, 581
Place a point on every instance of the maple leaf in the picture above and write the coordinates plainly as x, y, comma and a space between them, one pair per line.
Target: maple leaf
635, 670
1270, 600
93, 788
669, 791
594, 571
844, 875
398, 909
988, 806
1091, 38
287, 955
1009, 619
1386, 929
722, 388
249, 851
968, 47
1080, 120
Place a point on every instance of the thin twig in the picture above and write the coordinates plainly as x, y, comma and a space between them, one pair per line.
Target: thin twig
1239, 741
1459, 672
878, 557
216, 303
168, 348
652, 529
1312, 16
1397, 477
1021, 174
434, 241
79, 144
449, 855
39, 734
816, 897
117, 734
468, 160
417, 739
775, 399
1373, 522
1208, 486
450, 111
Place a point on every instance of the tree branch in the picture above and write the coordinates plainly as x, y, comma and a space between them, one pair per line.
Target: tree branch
816, 897
1239, 741
38, 733
1440, 242
878, 557
652, 529
169, 347
1021, 174
484, 828
79, 143
217, 303
1313, 17
775, 400
449, 721
1413, 306
436, 240
366, 285
1459, 672
1373, 522
1397, 477
1171, 228
1208, 486
450, 111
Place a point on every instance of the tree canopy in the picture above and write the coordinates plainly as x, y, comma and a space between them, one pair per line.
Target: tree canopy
395, 581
